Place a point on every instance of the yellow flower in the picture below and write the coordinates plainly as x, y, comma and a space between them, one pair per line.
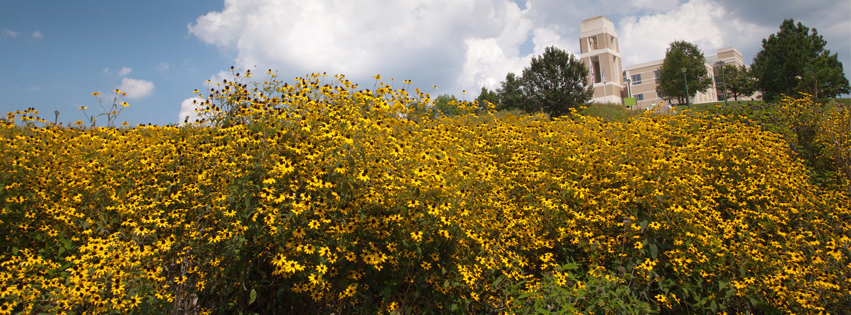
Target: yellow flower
125, 104
82, 108
313, 224
299, 232
95, 93
417, 236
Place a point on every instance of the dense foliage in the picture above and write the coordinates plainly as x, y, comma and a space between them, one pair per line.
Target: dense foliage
795, 60
679, 55
556, 82
817, 134
317, 197
738, 80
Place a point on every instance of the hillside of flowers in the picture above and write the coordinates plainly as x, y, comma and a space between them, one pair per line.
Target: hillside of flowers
319, 196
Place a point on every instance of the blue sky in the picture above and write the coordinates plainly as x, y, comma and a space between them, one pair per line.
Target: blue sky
56, 53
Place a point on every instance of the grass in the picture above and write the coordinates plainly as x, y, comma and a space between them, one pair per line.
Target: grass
609, 112
707, 106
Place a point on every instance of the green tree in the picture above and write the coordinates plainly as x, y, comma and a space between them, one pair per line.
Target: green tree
739, 81
824, 77
793, 60
511, 93
682, 54
489, 96
447, 105
555, 82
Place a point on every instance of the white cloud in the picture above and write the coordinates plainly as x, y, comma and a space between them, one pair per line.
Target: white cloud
424, 40
187, 108
700, 22
106, 70
163, 66
221, 76
466, 44
658, 5
124, 71
33, 88
488, 60
136, 89
8, 33
37, 35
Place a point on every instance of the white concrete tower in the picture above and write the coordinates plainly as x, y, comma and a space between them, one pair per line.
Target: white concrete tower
598, 44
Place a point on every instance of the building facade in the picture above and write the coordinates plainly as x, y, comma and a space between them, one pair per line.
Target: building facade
598, 42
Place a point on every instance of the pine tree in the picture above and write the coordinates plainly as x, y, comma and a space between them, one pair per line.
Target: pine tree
555, 82
794, 60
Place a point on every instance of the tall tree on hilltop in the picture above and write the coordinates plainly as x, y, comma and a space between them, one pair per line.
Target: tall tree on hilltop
488, 96
794, 60
511, 93
682, 54
824, 77
555, 82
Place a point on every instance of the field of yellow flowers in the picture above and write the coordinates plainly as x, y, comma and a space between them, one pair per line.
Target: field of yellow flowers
321, 197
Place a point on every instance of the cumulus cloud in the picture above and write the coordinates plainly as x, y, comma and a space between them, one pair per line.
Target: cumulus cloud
9, 33
136, 89
124, 71
700, 22
37, 35
426, 41
656, 5
187, 108
163, 66
466, 44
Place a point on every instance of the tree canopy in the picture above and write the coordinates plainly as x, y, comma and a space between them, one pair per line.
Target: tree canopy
739, 81
555, 82
794, 60
488, 96
510, 93
447, 105
682, 54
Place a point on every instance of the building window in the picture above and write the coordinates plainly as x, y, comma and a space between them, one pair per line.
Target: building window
592, 42
597, 71
656, 74
636, 79
638, 97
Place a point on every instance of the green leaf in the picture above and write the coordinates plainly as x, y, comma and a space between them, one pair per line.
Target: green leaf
14, 250
654, 251
498, 281
252, 296
386, 293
